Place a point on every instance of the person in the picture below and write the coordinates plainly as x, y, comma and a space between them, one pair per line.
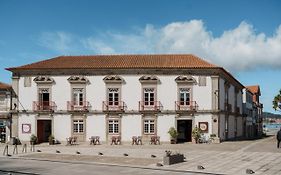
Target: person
278, 137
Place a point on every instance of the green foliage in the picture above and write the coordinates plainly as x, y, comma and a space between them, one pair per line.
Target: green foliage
173, 132
196, 133
33, 138
51, 138
276, 100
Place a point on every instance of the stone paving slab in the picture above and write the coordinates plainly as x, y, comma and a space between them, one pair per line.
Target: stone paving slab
90, 158
262, 156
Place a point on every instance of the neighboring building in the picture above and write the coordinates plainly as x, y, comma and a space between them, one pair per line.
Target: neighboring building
257, 110
125, 95
248, 113
5, 98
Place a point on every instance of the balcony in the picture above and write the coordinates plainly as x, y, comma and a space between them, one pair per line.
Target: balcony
186, 106
44, 106
114, 106
80, 106
150, 106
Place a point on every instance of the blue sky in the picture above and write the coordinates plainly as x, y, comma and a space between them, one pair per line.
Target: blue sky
242, 36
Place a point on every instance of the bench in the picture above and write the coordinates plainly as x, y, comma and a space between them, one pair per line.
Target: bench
94, 140
154, 140
116, 140
137, 140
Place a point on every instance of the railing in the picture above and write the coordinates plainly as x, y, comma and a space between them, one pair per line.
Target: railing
78, 106
44, 106
186, 106
150, 106
114, 106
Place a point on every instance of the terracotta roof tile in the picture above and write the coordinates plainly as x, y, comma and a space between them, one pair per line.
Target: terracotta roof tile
4, 86
119, 62
254, 89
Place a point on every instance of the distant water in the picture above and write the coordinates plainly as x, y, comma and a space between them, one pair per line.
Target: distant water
272, 126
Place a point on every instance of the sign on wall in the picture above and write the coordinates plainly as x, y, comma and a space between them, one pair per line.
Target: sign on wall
26, 128
203, 126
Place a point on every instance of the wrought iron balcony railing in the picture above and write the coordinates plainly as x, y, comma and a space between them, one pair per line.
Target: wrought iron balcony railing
114, 106
44, 106
150, 106
78, 106
186, 106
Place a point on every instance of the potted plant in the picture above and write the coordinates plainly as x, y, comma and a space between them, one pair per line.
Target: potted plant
173, 135
33, 139
51, 140
196, 134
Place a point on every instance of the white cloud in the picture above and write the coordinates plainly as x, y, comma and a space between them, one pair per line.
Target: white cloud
240, 48
60, 42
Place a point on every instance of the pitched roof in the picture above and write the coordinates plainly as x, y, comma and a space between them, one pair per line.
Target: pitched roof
4, 86
255, 89
119, 62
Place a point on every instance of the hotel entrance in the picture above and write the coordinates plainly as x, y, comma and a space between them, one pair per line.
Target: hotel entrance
184, 128
44, 130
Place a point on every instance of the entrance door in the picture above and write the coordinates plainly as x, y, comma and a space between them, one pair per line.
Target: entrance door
184, 128
44, 130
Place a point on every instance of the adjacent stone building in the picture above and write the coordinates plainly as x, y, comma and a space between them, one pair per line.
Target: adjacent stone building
5, 98
125, 95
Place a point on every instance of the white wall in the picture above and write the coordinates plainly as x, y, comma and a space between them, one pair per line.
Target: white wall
27, 95
222, 94
231, 126
222, 126
96, 92
164, 122
203, 95
167, 92
205, 118
61, 92
131, 92
62, 126
26, 119
96, 126
240, 126
131, 126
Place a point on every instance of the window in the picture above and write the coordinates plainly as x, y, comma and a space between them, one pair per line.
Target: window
202, 81
113, 96
27, 81
78, 126
149, 96
184, 96
149, 126
2, 100
113, 126
78, 96
44, 98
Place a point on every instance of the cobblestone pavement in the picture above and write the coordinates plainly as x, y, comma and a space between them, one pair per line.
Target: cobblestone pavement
235, 157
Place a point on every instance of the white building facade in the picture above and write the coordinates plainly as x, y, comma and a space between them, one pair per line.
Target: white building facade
5, 98
125, 95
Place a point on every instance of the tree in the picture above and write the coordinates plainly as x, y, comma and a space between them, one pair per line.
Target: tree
277, 101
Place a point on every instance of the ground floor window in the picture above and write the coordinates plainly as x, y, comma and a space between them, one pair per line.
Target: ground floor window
78, 126
149, 126
113, 126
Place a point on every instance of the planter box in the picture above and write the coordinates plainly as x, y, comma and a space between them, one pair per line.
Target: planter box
216, 140
172, 159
